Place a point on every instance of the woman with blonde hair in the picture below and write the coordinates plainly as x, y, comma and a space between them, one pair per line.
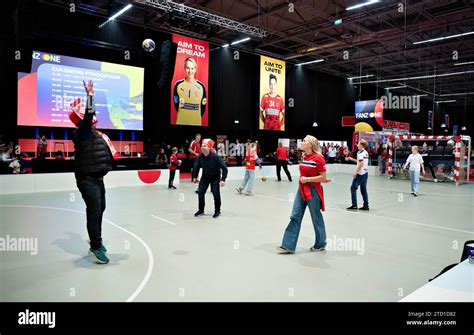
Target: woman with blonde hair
310, 194
416, 165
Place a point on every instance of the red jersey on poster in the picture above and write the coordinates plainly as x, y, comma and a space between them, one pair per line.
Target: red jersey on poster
272, 106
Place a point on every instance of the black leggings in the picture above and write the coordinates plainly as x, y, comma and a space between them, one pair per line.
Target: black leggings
172, 174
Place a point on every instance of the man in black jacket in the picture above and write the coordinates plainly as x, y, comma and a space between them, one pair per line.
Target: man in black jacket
211, 165
93, 160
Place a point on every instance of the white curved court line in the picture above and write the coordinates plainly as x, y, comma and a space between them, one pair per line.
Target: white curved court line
147, 248
377, 216
167, 221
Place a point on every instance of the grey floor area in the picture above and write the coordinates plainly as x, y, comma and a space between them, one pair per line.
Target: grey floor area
160, 252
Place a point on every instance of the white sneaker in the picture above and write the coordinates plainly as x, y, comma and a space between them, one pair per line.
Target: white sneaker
248, 193
415, 194
317, 249
239, 190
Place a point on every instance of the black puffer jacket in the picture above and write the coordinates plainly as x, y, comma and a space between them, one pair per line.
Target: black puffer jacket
92, 156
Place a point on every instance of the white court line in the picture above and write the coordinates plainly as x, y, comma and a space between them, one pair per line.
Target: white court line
158, 218
376, 216
406, 191
147, 248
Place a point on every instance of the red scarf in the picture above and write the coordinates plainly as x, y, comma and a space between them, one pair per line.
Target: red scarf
113, 151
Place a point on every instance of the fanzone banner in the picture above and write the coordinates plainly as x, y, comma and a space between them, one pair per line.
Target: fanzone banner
369, 115
272, 94
189, 90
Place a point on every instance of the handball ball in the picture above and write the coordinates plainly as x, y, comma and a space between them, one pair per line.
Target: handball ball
264, 178
180, 161
450, 142
148, 45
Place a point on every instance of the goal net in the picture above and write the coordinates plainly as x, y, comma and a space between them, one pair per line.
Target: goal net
446, 158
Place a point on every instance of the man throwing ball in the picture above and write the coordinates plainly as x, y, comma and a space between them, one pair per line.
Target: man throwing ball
214, 173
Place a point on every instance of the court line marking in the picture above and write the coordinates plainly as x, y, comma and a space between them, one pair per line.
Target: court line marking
147, 248
167, 221
377, 216
406, 191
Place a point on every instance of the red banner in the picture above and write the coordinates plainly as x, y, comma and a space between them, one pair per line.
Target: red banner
189, 90
348, 121
387, 124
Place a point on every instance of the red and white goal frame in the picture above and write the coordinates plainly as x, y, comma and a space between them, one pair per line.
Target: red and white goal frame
457, 157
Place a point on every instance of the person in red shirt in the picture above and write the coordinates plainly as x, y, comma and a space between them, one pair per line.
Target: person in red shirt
174, 163
342, 154
271, 107
310, 194
250, 160
282, 161
194, 151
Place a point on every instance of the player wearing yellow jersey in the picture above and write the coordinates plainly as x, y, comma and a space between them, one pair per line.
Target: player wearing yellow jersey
189, 96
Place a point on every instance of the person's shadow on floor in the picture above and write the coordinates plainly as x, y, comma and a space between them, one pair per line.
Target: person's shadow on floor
76, 245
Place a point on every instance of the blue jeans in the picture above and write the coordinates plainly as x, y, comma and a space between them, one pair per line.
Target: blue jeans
360, 180
249, 178
293, 230
415, 180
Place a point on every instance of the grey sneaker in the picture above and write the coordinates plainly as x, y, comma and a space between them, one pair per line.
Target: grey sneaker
239, 190
282, 250
99, 256
248, 193
313, 249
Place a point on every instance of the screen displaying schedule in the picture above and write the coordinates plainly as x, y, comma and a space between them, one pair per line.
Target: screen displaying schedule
45, 94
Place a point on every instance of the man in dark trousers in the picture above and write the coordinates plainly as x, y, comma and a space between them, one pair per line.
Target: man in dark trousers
282, 161
425, 154
211, 165
93, 160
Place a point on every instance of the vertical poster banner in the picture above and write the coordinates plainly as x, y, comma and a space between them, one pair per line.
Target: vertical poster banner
430, 119
272, 94
189, 90
455, 130
446, 120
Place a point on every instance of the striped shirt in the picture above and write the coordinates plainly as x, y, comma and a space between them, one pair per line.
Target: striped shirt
312, 165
